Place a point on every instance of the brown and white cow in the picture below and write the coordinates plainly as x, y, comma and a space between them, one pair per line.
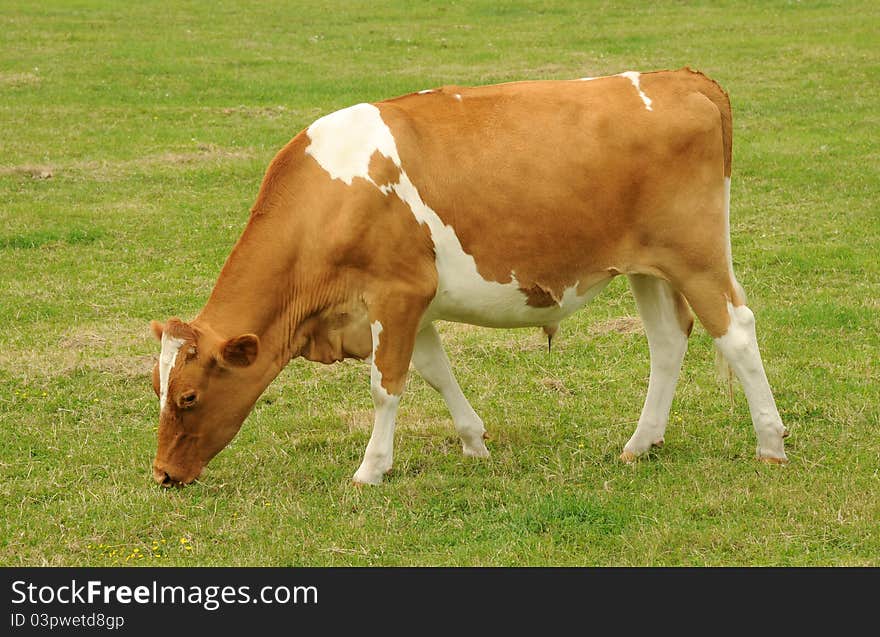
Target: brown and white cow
503, 206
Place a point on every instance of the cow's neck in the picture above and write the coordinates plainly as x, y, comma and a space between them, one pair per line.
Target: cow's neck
259, 291
278, 286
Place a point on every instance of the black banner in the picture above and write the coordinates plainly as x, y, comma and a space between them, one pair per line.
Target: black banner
380, 600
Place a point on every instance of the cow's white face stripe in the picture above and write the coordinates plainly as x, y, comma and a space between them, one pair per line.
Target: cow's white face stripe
343, 142
426, 91
633, 76
167, 357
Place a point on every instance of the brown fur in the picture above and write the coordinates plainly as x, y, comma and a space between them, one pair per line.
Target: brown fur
537, 296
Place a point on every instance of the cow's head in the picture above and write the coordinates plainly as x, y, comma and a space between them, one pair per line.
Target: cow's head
206, 386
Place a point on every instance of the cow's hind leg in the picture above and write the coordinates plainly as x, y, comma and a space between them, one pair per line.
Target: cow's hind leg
668, 321
431, 362
721, 308
739, 345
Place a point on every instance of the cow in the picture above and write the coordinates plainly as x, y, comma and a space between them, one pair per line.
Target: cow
509, 205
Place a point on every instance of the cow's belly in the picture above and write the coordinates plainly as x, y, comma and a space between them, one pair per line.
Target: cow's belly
464, 296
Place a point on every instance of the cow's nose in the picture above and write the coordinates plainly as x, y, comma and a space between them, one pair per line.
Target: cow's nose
162, 478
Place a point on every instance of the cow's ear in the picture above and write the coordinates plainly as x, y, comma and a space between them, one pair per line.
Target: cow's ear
157, 328
240, 351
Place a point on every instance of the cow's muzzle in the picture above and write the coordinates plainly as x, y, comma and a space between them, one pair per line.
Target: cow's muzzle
167, 477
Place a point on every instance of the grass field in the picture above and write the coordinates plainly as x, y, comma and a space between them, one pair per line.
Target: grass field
134, 137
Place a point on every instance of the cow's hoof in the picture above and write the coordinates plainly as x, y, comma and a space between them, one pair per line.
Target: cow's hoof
368, 477
476, 451
785, 432
658, 443
773, 453
363, 483
474, 447
628, 457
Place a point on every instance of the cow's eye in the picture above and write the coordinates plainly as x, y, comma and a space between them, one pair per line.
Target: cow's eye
187, 399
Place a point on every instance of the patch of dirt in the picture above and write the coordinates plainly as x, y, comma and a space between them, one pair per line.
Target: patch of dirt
19, 79
356, 420
120, 331
203, 153
620, 325
61, 362
270, 112
554, 385
34, 172
105, 349
83, 338
132, 366
104, 170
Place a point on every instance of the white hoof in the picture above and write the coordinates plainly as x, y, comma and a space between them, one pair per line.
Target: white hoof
479, 451
772, 457
369, 475
771, 449
772, 460
476, 448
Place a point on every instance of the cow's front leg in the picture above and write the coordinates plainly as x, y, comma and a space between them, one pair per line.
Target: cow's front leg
430, 361
394, 336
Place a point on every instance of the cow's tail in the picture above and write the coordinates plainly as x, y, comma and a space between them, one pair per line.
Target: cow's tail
718, 96
722, 367
738, 297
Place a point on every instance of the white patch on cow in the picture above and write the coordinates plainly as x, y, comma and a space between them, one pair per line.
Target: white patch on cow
343, 142
587, 79
633, 76
167, 357
462, 294
457, 96
426, 91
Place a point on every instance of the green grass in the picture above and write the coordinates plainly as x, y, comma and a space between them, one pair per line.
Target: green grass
134, 137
